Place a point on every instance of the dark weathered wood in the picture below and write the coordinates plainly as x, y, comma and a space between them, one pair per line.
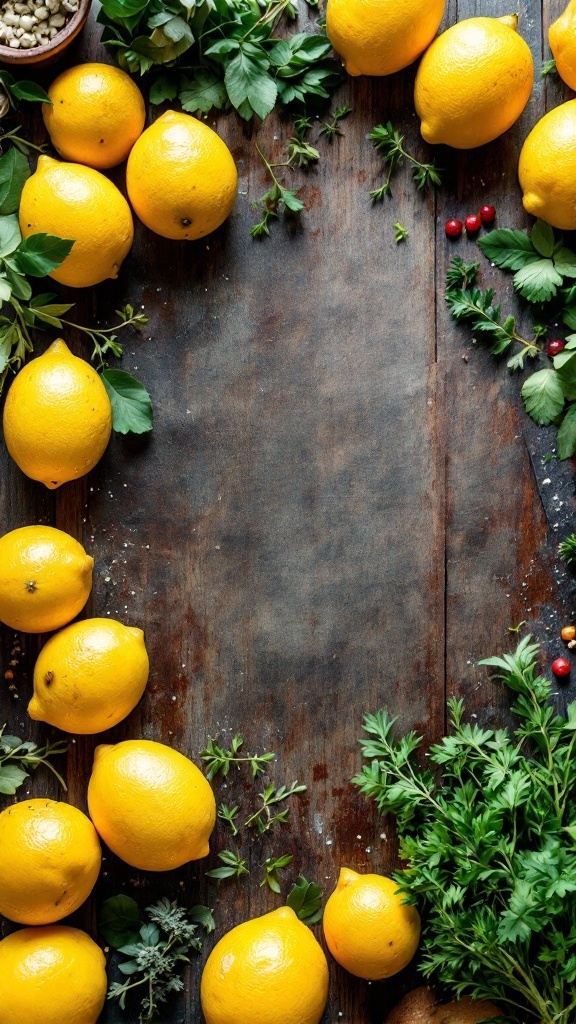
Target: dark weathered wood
336, 510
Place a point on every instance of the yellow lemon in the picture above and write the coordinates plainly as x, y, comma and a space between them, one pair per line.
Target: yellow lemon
562, 39
368, 929
269, 970
78, 203
150, 804
474, 82
57, 417
50, 976
97, 114
49, 861
89, 676
378, 37
181, 177
45, 578
547, 168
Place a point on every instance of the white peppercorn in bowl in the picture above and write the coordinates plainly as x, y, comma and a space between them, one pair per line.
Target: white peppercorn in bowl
38, 31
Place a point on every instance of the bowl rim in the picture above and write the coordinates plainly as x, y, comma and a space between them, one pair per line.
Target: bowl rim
65, 34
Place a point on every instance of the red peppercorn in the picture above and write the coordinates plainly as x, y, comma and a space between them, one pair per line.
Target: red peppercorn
561, 667
488, 215
473, 223
554, 347
453, 228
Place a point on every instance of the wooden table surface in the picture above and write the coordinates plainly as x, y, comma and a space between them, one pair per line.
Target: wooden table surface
338, 508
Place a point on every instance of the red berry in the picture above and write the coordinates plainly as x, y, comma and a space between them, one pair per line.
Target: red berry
453, 228
554, 347
488, 215
561, 667
473, 223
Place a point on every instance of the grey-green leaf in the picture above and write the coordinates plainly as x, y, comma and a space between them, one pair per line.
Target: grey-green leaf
131, 404
543, 396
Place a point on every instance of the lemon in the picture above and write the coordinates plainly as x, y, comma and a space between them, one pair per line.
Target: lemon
474, 82
562, 39
150, 804
378, 37
49, 861
76, 202
547, 168
97, 113
57, 417
50, 976
45, 578
181, 177
89, 676
367, 928
269, 970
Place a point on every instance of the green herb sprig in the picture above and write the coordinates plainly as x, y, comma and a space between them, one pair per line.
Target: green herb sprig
390, 144
221, 54
567, 549
488, 833
220, 761
271, 868
19, 757
17, 90
232, 866
156, 948
305, 899
264, 817
331, 129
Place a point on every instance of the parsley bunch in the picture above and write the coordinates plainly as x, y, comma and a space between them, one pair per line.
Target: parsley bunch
489, 837
543, 269
220, 53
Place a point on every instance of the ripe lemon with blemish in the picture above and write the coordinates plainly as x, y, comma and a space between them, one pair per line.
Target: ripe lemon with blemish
151, 805
181, 177
45, 578
96, 115
270, 970
78, 203
379, 37
89, 676
50, 975
368, 929
562, 39
57, 417
49, 861
473, 82
547, 168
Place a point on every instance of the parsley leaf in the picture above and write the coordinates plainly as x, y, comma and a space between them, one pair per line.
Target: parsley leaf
538, 281
508, 249
543, 396
131, 405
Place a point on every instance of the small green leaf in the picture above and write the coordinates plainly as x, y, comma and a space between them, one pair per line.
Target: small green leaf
508, 249
203, 916
10, 236
543, 396
11, 778
14, 171
305, 900
163, 88
205, 91
542, 238
567, 434
538, 282
40, 254
119, 921
131, 405
30, 91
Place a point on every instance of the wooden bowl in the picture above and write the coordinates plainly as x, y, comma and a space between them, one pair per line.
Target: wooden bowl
49, 51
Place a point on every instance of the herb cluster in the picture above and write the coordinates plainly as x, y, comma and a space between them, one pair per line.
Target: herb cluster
389, 142
543, 269
220, 54
157, 948
19, 757
489, 836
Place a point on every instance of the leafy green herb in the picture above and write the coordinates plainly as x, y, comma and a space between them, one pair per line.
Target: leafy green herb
278, 199
305, 899
540, 260
232, 866
461, 274
156, 949
390, 144
19, 757
221, 53
549, 68
567, 549
271, 869
332, 128
131, 405
400, 232
218, 760
229, 814
22, 90
264, 819
488, 833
